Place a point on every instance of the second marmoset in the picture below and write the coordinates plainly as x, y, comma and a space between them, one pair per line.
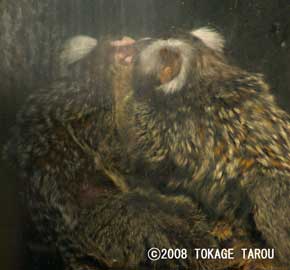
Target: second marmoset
208, 129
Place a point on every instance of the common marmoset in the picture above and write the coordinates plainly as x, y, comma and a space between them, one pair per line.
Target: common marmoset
165, 125
214, 130
77, 173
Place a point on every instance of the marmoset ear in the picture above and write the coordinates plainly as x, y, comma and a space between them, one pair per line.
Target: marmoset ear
76, 48
170, 65
210, 38
168, 61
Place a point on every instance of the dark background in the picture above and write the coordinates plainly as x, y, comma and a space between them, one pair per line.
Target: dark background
31, 31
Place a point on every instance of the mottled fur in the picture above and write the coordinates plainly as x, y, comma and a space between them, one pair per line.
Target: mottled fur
74, 203
216, 137
221, 139
119, 230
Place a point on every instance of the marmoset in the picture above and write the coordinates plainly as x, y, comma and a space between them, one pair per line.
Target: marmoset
149, 144
77, 172
213, 130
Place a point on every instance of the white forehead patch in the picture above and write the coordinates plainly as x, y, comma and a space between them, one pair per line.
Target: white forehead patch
77, 48
210, 38
150, 62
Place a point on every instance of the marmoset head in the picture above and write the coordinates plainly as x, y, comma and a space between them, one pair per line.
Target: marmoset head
168, 65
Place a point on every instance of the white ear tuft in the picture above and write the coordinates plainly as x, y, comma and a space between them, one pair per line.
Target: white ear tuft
151, 63
77, 48
210, 38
